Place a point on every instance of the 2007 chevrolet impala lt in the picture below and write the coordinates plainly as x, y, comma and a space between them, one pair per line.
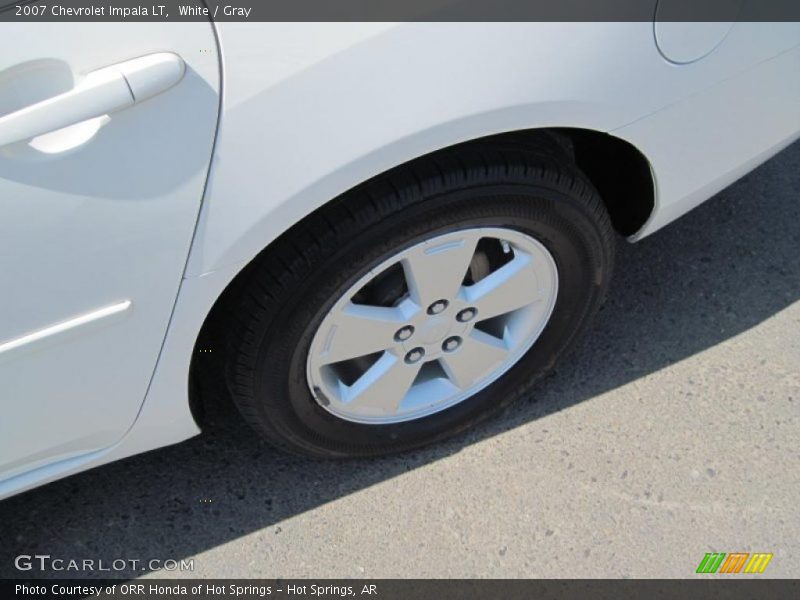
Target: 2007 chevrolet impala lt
370, 236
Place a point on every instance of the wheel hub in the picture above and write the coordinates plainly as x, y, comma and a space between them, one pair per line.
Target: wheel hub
435, 330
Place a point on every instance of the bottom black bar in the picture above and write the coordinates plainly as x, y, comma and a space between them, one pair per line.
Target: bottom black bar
401, 589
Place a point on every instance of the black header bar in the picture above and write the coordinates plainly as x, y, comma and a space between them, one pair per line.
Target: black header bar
399, 10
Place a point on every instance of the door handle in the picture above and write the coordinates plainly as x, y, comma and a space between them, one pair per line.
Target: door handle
101, 92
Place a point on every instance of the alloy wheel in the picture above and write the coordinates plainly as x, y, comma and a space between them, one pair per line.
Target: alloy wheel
432, 325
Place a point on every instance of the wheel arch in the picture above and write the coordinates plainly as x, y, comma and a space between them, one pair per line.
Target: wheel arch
619, 171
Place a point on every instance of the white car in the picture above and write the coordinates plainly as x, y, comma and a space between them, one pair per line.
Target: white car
370, 236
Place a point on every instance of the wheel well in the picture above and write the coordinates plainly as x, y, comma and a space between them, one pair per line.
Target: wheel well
621, 174
617, 169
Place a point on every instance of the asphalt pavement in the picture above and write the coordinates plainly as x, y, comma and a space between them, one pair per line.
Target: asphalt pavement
671, 431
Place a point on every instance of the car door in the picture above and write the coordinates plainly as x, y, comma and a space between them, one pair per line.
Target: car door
96, 220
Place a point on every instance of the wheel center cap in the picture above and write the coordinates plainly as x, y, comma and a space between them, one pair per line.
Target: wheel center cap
434, 330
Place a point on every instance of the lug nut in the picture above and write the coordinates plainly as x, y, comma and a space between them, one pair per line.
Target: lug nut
466, 315
414, 355
404, 333
451, 343
437, 307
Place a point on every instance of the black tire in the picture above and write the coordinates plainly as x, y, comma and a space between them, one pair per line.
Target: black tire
285, 292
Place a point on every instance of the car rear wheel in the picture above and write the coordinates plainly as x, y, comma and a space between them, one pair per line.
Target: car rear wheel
420, 303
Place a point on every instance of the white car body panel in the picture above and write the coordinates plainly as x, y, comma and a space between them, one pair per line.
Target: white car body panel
95, 230
416, 82
311, 110
711, 144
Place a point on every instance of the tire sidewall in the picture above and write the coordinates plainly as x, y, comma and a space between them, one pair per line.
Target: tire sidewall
561, 223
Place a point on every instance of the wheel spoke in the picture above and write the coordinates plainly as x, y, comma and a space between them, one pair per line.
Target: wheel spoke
510, 287
359, 330
479, 354
435, 271
381, 389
